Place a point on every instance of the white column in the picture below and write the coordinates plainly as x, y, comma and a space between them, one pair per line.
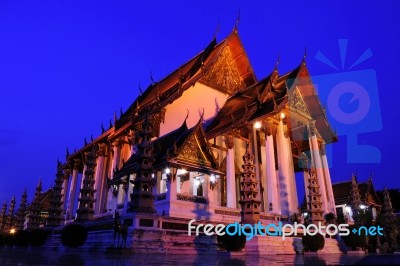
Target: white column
67, 174
121, 194
283, 171
72, 190
316, 158
230, 173
272, 182
328, 182
294, 204
172, 187
98, 180
116, 157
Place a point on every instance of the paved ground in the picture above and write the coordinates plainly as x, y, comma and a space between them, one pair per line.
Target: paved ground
37, 256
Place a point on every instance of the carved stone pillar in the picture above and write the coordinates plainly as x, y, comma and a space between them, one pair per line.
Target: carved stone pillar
230, 172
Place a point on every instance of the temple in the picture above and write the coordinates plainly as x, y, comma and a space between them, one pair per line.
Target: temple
177, 151
208, 142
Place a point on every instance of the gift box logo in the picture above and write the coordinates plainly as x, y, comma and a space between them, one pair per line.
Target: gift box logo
352, 102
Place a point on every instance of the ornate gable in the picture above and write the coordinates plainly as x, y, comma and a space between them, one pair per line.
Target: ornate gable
224, 74
195, 149
296, 101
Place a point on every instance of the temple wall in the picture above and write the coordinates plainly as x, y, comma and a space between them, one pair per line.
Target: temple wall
194, 99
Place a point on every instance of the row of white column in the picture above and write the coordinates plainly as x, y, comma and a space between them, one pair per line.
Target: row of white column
280, 192
104, 198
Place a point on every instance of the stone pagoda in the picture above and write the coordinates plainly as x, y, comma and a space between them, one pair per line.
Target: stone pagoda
142, 197
249, 191
21, 213
56, 210
314, 198
34, 218
9, 224
85, 211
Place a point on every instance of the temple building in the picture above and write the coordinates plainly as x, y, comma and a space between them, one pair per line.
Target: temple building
352, 196
208, 142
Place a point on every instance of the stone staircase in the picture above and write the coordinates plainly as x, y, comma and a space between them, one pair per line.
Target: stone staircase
331, 247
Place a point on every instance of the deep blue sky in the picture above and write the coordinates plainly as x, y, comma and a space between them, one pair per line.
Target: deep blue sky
66, 67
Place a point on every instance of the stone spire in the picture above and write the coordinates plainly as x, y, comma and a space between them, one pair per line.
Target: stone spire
34, 218
249, 192
3, 216
10, 217
85, 211
314, 203
142, 198
55, 210
355, 198
387, 219
21, 213
387, 208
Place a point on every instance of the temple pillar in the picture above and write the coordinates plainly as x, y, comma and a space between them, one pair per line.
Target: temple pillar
230, 173
72, 190
116, 156
285, 171
328, 182
99, 178
172, 188
272, 199
317, 164
64, 199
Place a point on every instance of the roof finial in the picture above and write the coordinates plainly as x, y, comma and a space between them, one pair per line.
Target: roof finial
140, 90
305, 55
151, 77
278, 59
217, 30
102, 128
237, 22
66, 153
187, 115
201, 115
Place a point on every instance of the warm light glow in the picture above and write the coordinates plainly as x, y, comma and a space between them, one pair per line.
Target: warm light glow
305, 214
183, 171
212, 178
363, 207
257, 125
282, 115
348, 209
152, 175
167, 170
12, 231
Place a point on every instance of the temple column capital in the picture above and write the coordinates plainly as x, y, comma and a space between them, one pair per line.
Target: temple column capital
311, 127
229, 141
77, 164
101, 150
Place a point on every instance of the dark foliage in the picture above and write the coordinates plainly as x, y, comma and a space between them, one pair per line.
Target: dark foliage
355, 240
37, 237
313, 243
231, 243
22, 238
74, 235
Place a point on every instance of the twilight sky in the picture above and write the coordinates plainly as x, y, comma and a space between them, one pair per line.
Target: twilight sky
66, 67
